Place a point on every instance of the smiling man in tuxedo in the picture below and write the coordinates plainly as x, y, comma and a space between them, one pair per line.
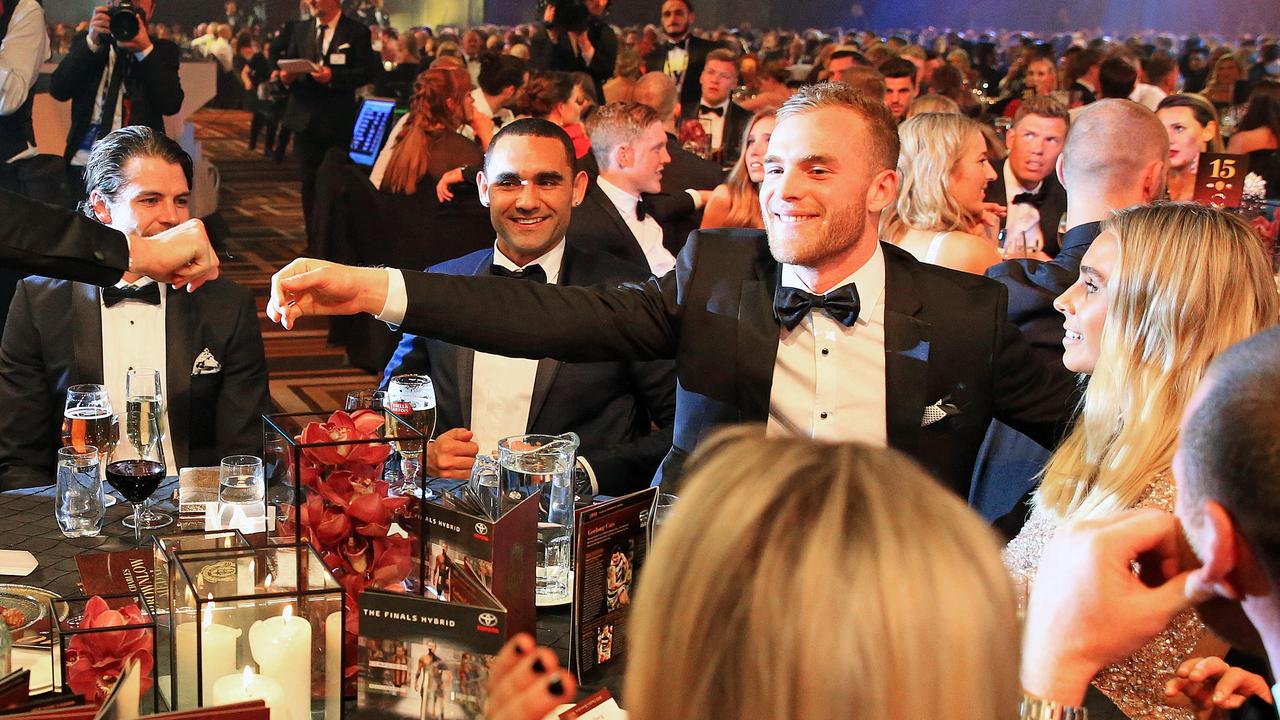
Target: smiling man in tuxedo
530, 186
206, 345
812, 326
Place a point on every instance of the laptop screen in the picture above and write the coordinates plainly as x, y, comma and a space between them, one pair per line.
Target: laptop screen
372, 125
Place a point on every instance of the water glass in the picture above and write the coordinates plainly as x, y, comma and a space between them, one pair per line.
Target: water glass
80, 502
663, 506
486, 485
241, 490
544, 464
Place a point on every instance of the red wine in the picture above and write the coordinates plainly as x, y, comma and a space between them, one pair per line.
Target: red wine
135, 479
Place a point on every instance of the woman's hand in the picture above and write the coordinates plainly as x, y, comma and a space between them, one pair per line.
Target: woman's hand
454, 176
1210, 685
526, 682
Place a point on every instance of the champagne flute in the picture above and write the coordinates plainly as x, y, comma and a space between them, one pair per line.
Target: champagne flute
137, 479
144, 410
412, 397
88, 420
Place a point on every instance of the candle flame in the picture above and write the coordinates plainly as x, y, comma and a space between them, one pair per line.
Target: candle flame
267, 582
288, 612
208, 613
248, 677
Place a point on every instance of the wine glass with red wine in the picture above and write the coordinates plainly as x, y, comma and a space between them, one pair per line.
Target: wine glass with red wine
137, 479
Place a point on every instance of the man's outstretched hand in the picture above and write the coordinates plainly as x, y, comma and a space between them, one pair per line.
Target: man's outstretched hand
317, 287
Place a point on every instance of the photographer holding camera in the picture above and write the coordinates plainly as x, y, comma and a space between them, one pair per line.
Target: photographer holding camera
115, 75
576, 39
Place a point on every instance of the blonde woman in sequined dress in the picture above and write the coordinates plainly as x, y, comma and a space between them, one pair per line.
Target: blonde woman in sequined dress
1162, 291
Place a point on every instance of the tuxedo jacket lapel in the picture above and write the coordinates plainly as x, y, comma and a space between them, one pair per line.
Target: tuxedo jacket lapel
180, 355
86, 333
614, 215
757, 348
906, 347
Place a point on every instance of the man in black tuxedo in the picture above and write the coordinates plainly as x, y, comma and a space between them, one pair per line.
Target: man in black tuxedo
112, 83
724, 119
530, 186
681, 55
587, 44
617, 215
322, 104
1027, 185
686, 172
1114, 157
814, 328
207, 345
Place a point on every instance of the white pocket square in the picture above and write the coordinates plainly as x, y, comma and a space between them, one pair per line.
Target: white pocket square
938, 412
206, 364
344, 46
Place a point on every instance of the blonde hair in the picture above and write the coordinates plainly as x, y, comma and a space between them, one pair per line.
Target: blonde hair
1188, 282
932, 145
744, 195
802, 580
932, 103
616, 124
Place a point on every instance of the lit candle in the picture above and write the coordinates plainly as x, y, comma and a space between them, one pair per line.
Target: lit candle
282, 648
333, 666
238, 687
218, 648
245, 578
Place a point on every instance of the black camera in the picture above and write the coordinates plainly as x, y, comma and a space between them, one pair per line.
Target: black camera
125, 21
571, 15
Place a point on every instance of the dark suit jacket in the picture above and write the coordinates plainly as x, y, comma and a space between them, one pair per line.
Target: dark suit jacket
560, 55
946, 336
1051, 212
608, 404
151, 86
597, 226
57, 242
736, 119
1033, 285
685, 171
329, 110
53, 339
691, 82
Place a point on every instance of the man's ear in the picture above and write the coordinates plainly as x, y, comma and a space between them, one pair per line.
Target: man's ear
883, 191
1057, 169
100, 209
1153, 181
1219, 549
579, 187
482, 184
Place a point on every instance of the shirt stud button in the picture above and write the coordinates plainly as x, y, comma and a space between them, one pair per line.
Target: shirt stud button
822, 415
825, 351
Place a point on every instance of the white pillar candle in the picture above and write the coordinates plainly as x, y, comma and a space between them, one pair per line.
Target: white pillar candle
218, 646
333, 666
282, 648
238, 687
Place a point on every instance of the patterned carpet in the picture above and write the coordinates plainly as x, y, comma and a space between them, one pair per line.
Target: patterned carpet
262, 204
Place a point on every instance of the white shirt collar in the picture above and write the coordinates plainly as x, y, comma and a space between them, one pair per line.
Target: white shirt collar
1013, 188
550, 261
332, 24
621, 199
869, 279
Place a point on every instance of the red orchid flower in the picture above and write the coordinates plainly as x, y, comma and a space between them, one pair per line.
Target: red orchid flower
95, 661
342, 429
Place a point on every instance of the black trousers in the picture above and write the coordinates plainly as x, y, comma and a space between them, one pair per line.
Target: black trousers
311, 147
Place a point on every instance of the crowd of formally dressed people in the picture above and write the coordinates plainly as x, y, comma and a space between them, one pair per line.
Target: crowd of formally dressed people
932, 268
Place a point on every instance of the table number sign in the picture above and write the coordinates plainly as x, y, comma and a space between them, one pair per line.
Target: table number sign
1220, 179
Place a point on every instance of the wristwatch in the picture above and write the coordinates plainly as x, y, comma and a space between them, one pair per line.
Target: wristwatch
1037, 708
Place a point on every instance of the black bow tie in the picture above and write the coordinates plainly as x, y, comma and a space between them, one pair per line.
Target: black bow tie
532, 272
1036, 198
643, 209
149, 294
790, 305
708, 110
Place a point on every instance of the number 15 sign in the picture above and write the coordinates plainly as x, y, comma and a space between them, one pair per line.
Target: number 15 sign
1220, 179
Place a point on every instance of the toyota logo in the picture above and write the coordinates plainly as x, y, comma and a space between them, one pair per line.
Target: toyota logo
488, 620
482, 528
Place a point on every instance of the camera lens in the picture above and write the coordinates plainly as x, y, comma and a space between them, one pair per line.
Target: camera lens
124, 23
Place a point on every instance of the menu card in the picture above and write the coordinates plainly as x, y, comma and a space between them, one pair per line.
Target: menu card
1220, 179
610, 543
421, 657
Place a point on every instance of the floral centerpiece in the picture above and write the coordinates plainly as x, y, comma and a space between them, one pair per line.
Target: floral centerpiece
344, 508
102, 641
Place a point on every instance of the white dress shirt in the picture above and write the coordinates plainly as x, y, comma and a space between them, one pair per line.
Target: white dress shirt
715, 123
1022, 217
502, 387
24, 49
828, 379
647, 232
1146, 95
133, 336
328, 35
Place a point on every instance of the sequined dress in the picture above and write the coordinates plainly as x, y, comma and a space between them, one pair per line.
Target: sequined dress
1135, 684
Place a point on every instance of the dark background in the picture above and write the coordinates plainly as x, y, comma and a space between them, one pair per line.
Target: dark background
1115, 16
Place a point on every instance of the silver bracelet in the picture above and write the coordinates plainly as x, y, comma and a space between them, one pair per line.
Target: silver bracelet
1036, 708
